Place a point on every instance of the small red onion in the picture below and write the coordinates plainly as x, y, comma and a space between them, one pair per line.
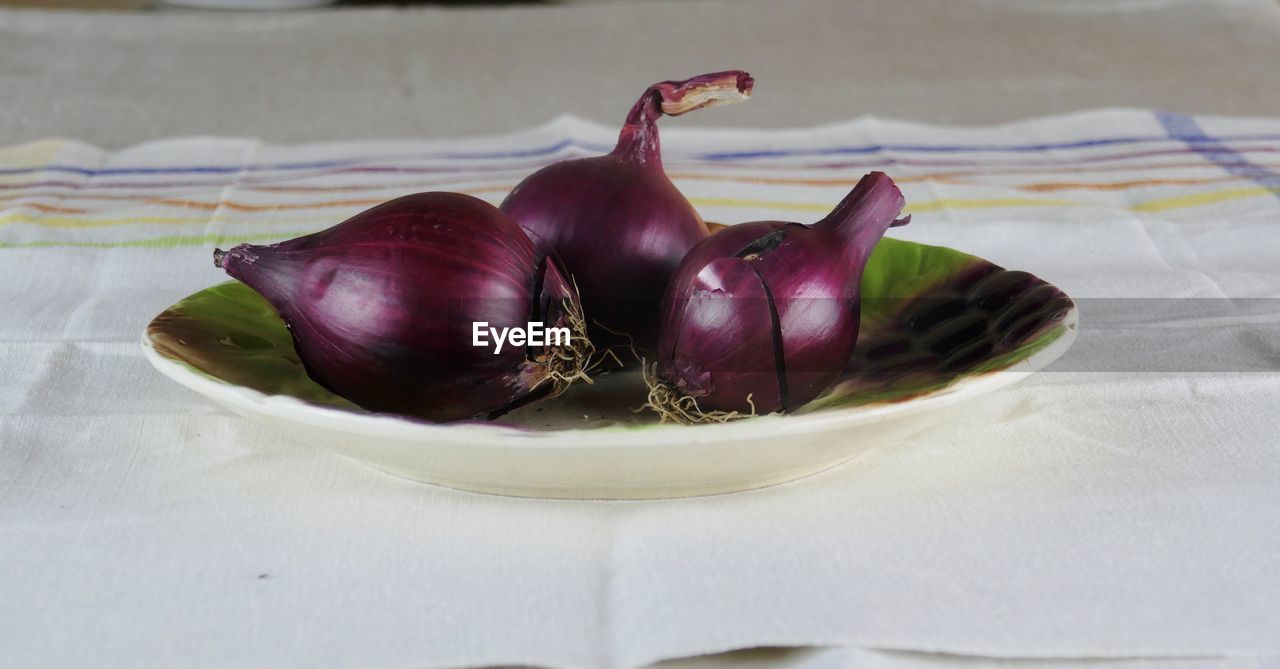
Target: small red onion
616, 221
382, 307
763, 316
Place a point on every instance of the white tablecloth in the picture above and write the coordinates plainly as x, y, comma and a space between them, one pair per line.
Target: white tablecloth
1113, 513
1096, 511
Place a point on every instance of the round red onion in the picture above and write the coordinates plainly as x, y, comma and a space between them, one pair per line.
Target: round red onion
763, 316
382, 307
616, 221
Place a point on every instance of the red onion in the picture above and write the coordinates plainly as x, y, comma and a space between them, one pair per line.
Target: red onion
763, 316
383, 307
616, 221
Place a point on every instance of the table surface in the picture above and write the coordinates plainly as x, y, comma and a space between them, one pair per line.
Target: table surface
119, 79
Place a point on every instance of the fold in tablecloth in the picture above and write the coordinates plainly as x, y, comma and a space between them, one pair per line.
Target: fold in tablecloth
1101, 509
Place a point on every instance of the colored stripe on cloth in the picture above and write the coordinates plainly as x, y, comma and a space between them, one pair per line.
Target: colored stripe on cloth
1185, 128
358, 164
174, 194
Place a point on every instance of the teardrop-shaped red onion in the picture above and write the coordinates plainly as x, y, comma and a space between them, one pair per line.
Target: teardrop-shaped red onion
382, 307
616, 221
763, 316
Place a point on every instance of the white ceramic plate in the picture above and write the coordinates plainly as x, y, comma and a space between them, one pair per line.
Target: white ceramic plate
226, 344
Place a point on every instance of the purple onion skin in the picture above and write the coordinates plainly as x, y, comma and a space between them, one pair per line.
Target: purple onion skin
616, 221
381, 306
770, 309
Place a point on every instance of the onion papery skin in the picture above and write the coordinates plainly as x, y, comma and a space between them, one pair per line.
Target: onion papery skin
381, 307
617, 223
763, 316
